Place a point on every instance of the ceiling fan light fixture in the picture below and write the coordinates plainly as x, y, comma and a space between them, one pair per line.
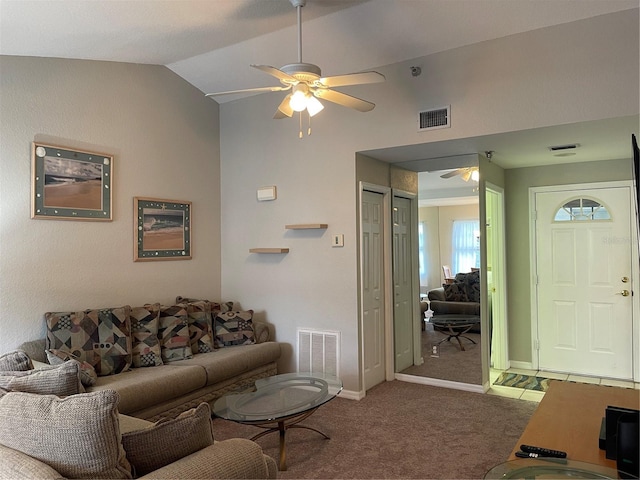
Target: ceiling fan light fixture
313, 105
475, 175
299, 98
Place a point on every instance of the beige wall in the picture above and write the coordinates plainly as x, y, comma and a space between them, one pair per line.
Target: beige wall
492, 87
164, 137
517, 217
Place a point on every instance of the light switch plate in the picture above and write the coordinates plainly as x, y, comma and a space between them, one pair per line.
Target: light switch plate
267, 193
338, 240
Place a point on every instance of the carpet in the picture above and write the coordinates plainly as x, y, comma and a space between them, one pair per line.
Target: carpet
517, 380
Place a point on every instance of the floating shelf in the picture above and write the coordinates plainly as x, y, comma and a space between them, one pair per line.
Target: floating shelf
306, 226
268, 250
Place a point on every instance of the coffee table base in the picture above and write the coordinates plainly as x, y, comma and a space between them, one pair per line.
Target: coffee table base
282, 426
453, 334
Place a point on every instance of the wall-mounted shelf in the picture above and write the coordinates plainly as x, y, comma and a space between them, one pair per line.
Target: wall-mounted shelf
306, 226
268, 250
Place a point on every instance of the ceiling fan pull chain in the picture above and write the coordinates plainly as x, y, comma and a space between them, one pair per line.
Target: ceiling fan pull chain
309, 131
300, 133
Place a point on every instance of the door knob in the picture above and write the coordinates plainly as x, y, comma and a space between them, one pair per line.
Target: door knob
624, 293
625, 279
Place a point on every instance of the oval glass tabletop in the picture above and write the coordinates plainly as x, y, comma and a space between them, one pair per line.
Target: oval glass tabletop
278, 397
533, 468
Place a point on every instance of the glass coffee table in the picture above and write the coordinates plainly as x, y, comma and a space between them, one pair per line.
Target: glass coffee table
278, 403
454, 326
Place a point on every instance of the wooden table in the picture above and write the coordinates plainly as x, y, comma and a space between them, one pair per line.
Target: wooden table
569, 416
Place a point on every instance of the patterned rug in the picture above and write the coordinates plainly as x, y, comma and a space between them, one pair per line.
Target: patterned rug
517, 380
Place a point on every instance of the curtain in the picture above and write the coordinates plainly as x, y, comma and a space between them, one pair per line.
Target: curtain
466, 245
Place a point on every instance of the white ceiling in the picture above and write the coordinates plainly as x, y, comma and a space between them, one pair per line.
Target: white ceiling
211, 43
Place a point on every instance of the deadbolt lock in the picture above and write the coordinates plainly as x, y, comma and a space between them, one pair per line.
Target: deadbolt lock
625, 279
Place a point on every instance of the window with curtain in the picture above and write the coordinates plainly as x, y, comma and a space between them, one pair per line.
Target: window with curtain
466, 245
422, 254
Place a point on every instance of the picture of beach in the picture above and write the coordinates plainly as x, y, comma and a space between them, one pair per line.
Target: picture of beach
163, 229
72, 184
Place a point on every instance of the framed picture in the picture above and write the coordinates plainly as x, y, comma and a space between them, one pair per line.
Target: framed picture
70, 184
162, 229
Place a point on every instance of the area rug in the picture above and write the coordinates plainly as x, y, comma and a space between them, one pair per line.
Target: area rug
517, 380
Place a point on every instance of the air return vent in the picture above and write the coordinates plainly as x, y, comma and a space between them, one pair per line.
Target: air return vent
318, 351
434, 118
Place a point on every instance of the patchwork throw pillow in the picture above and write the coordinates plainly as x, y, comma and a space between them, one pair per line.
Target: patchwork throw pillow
15, 361
88, 375
454, 292
234, 328
168, 440
173, 333
200, 326
78, 436
100, 337
145, 322
62, 380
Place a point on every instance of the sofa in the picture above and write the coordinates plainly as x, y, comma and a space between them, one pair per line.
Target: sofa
178, 376
84, 436
461, 297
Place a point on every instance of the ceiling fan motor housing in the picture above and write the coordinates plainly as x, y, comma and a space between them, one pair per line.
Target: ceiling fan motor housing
304, 72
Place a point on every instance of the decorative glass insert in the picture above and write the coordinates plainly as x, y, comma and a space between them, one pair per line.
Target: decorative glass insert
582, 209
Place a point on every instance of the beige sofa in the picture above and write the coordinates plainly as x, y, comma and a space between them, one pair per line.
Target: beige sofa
233, 458
152, 393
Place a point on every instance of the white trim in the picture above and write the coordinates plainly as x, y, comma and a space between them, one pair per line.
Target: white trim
522, 365
436, 382
635, 270
501, 357
352, 395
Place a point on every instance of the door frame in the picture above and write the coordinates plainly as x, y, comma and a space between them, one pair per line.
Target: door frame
415, 275
635, 266
500, 357
387, 278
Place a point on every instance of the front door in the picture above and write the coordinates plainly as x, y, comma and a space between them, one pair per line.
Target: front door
584, 306
402, 284
372, 288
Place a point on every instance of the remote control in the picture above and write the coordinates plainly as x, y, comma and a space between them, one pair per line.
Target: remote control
543, 452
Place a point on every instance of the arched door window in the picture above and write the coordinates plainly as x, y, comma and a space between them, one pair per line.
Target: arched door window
582, 209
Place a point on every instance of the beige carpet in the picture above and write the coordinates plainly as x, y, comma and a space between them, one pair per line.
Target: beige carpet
452, 364
399, 430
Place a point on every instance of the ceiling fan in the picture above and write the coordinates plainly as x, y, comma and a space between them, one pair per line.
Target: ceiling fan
306, 84
467, 173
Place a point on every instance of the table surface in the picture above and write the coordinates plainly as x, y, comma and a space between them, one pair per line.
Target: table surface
278, 397
569, 417
454, 319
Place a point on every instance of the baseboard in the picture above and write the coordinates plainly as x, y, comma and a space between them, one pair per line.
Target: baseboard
436, 382
522, 365
351, 395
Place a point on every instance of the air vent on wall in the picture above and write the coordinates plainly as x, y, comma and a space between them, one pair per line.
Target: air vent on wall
318, 351
434, 118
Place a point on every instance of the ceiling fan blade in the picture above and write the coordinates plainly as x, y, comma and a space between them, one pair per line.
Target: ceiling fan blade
452, 173
284, 109
351, 79
250, 90
279, 74
344, 99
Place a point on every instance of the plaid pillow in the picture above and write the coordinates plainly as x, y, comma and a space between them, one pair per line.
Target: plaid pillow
145, 322
101, 337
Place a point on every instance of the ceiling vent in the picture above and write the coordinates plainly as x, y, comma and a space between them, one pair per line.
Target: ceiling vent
434, 118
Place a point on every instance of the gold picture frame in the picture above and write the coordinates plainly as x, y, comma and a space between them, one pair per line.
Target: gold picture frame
162, 229
70, 184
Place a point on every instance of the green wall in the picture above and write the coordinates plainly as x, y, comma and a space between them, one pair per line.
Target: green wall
517, 184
